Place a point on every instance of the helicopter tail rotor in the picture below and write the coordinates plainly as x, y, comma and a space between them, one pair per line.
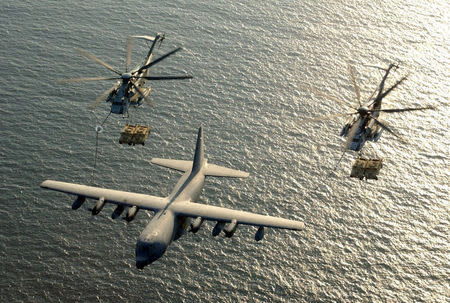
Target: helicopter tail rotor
163, 37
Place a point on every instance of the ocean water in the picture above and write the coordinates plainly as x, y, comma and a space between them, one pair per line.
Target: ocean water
364, 241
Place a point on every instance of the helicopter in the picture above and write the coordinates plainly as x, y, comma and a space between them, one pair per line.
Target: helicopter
129, 89
363, 122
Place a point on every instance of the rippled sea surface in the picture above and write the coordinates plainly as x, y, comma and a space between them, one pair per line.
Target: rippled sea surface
364, 241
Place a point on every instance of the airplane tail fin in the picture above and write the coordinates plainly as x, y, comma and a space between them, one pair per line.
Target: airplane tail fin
199, 155
200, 163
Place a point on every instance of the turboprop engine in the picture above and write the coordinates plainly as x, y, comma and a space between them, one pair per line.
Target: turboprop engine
78, 202
131, 214
118, 211
230, 229
259, 234
195, 226
218, 228
99, 206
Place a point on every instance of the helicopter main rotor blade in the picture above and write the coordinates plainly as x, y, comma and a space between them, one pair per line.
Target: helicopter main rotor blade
371, 96
326, 96
375, 66
159, 59
399, 110
352, 132
392, 87
385, 127
95, 59
129, 47
327, 117
166, 77
351, 71
149, 101
97, 101
86, 79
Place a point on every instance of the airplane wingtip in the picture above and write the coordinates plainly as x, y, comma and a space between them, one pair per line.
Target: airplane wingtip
44, 183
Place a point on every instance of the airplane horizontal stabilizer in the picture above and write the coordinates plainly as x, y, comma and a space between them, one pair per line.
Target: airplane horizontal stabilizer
209, 170
180, 165
220, 171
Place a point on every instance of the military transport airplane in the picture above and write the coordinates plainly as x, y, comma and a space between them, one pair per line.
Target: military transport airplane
177, 213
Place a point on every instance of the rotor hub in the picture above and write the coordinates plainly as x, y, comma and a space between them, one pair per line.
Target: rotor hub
126, 76
363, 110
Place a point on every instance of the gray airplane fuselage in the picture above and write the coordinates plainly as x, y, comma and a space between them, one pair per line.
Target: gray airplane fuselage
166, 226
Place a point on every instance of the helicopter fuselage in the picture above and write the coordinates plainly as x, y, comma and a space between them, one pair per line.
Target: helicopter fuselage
366, 128
129, 88
125, 95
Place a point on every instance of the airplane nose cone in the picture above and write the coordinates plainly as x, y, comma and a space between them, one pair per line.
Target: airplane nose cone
140, 264
147, 253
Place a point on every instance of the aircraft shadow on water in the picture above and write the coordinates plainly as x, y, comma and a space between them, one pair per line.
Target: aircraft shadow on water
177, 213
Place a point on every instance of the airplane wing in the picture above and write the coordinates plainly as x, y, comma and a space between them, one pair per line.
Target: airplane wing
188, 209
142, 201
215, 213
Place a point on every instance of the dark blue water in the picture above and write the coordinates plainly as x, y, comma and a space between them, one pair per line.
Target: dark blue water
374, 241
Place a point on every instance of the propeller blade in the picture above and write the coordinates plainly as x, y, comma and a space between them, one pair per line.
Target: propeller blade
97, 101
129, 47
351, 71
95, 59
351, 134
326, 96
149, 101
166, 77
398, 110
86, 79
159, 59
327, 117
385, 127
392, 87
